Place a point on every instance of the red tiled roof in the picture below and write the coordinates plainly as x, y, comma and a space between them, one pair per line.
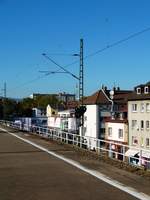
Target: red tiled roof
116, 120
135, 96
97, 98
120, 96
72, 104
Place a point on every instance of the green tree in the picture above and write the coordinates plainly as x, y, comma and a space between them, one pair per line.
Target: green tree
24, 107
43, 101
8, 108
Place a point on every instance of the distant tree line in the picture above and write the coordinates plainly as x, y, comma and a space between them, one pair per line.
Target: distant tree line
10, 108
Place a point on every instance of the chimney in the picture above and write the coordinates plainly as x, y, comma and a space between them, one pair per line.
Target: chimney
114, 88
105, 88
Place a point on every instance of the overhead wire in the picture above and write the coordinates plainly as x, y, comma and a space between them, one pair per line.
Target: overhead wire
91, 55
118, 42
110, 46
64, 69
28, 82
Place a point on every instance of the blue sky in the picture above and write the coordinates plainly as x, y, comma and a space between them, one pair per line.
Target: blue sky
30, 27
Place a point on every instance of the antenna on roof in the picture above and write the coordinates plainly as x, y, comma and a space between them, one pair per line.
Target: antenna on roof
102, 87
76, 92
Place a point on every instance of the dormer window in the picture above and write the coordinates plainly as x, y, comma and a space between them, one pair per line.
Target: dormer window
138, 90
146, 89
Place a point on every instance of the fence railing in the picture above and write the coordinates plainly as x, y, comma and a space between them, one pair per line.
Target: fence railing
132, 155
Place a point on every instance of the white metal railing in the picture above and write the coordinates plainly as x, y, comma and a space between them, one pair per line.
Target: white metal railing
103, 147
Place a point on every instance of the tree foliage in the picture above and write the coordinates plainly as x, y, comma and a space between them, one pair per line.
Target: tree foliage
7, 108
10, 108
43, 101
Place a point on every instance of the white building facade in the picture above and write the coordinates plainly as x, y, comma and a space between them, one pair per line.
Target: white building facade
91, 121
99, 108
117, 135
62, 120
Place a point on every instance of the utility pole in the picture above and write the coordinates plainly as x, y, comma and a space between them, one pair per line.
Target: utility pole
4, 99
81, 84
5, 89
81, 109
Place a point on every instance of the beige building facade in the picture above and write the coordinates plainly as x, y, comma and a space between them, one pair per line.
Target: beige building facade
139, 117
139, 123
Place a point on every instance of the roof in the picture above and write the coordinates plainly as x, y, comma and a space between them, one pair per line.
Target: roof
134, 96
72, 104
143, 85
97, 98
116, 120
120, 96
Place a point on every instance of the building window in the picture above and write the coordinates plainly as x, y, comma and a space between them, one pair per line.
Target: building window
134, 107
147, 107
101, 119
134, 140
120, 133
102, 130
142, 124
142, 107
146, 89
147, 142
109, 131
142, 142
147, 124
134, 123
138, 90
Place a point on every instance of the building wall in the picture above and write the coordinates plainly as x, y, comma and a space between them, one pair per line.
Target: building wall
72, 124
54, 122
137, 134
66, 124
65, 97
36, 112
115, 131
95, 121
50, 111
91, 122
103, 114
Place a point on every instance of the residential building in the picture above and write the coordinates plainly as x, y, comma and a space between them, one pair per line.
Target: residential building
139, 117
38, 112
36, 95
51, 111
63, 120
64, 97
101, 106
139, 120
117, 136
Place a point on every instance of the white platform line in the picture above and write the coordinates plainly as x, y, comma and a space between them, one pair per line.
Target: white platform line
94, 173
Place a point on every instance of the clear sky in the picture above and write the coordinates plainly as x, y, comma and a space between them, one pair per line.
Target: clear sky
29, 28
